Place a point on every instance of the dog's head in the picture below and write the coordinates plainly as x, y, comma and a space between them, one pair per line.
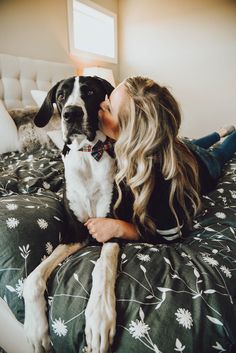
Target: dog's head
78, 102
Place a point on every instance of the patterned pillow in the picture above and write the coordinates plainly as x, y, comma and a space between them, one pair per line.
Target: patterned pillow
30, 136
31, 227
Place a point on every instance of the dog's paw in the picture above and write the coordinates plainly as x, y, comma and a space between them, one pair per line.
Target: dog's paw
36, 329
36, 323
100, 313
100, 325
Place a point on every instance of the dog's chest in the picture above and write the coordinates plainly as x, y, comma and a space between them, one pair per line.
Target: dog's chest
89, 184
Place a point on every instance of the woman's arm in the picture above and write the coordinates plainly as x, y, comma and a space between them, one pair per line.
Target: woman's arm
104, 229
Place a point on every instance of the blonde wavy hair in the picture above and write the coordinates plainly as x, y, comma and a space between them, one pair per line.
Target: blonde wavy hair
149, 121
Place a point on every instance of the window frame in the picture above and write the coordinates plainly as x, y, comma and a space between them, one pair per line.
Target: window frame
81, 54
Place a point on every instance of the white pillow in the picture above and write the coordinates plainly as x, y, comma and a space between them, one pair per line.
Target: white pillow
38, 96
8, 131
56, 137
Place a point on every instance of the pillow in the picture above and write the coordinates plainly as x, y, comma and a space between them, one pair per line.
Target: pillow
38, 96
30, 229
8, 132
56, 137
30, 136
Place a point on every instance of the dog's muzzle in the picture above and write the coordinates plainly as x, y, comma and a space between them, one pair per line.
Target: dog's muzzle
73, 114
76, 122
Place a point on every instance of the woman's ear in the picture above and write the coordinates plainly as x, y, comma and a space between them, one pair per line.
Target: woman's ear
46, 110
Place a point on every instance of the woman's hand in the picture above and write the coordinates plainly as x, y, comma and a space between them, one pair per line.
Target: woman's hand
104, 229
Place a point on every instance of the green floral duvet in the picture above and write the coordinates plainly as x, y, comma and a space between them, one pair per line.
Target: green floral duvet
170, 298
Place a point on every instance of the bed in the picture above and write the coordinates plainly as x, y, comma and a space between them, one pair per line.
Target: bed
170, 297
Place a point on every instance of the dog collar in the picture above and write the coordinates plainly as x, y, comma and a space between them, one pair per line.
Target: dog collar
97, 150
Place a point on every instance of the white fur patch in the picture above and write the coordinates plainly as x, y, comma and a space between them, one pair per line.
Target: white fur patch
74, 99
100, 312
75, 96
89, 183
36, 323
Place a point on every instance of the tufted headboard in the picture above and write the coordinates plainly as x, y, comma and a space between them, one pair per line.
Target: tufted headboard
20, 75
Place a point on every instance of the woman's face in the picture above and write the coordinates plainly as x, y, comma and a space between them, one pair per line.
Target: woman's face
108, 114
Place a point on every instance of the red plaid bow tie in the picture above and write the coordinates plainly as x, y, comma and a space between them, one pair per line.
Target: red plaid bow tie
98, 149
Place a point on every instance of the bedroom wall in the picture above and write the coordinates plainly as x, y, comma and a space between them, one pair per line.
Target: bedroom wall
189, 46
38, 29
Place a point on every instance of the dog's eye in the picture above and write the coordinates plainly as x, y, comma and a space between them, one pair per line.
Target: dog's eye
90, 93
60, 97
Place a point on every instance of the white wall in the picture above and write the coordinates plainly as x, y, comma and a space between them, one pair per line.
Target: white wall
190, 46
38, 29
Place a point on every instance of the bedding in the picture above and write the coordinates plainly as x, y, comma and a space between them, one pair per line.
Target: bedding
170, 297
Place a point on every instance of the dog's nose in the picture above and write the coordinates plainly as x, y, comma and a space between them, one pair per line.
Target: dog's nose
72, 113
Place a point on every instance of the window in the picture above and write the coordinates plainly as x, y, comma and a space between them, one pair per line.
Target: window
92, 31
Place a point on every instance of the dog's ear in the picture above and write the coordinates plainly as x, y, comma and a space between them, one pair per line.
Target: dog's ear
46, 110
108, 88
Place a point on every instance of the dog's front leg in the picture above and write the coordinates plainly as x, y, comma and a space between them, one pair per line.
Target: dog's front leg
100, 313
36, 323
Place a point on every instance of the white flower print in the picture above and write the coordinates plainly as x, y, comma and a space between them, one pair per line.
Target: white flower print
44, 258
59, 327
233, 194
210, 260
50, 300
123, 256
183, 254
226, 271
225, 203
219, 347
197, 225
156, 349
220, 190
49, 248
11, 206
19, 288
184, 318
42, 223
143, 257
24, 251
179, 346
30, 158
220, 215
138, 329
46, 185
148, 245
12, 222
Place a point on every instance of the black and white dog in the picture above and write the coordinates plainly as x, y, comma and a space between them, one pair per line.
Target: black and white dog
88, 193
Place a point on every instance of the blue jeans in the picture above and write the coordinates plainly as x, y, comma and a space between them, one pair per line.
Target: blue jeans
222, 152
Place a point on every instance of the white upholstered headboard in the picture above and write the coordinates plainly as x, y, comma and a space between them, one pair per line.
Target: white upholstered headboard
20, 75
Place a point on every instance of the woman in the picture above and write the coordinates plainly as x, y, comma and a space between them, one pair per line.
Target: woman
159, 176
